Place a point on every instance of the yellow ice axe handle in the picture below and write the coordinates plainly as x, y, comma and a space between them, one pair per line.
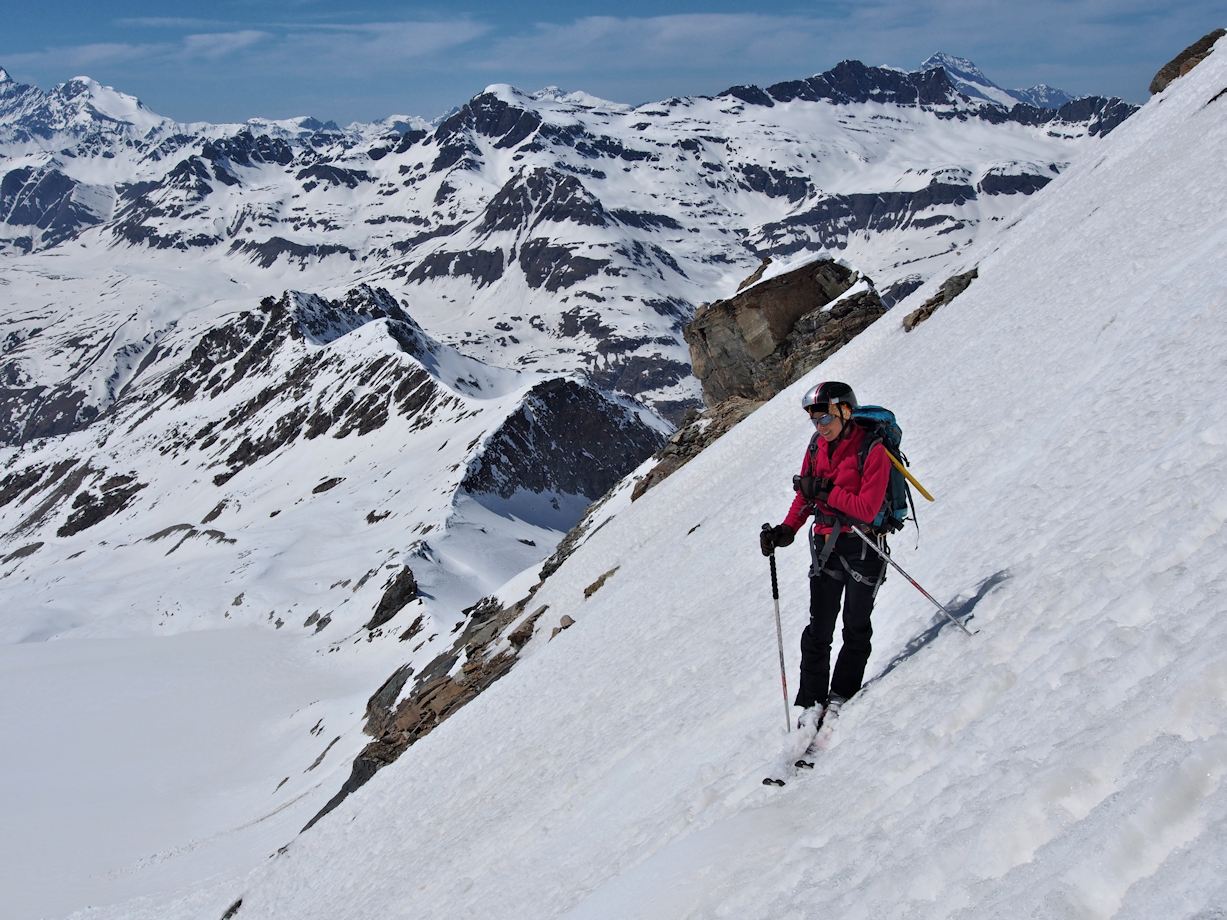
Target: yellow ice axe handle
908, 476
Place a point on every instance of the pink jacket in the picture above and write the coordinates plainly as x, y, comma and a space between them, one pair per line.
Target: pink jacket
855, 494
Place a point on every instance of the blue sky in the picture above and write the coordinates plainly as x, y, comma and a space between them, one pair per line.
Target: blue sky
231, 59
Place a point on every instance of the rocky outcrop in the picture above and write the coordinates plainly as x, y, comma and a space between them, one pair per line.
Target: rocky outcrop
1185, 61
762, 339
450, 681
399, 591
559, 423
693, 438
950, 289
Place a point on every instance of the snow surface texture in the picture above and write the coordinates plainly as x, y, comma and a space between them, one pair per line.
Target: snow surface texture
1069, 761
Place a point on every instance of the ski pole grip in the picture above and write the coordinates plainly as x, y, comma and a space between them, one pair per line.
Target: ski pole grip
775, 585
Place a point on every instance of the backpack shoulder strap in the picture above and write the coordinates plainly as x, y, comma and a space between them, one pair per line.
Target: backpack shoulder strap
863, 453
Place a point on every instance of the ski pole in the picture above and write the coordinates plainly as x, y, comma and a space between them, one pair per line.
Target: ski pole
873, 546
779, 637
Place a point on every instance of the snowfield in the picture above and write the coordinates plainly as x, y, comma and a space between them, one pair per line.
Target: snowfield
1066, 762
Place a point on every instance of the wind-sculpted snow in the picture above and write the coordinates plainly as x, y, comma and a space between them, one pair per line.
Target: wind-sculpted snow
1068, 760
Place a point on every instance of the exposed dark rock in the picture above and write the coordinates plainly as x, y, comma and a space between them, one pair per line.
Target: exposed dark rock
437, 693
19, 482
61, 481
901, 289
774, 183
597, 585
1101, 115
950, 289
248, 149
851, 82
1185, 61
754, 95
232, 910
413, 630
28, 550
645, 220
399, 591
541, 195
266, 253
995, 183
830, 221
566, 438
765, 337
331, 175
215, 513
554, 267
30, 413
488, 115
90, 508
328, 484
693, 438
484, 266
638, 373
324, 753
45, 198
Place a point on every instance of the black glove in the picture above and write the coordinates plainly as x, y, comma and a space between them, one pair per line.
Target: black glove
812, 488
771, 537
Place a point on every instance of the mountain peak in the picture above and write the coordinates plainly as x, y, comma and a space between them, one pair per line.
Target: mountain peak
955, 66
4, 76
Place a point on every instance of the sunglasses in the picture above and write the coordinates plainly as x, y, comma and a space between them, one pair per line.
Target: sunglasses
820, 415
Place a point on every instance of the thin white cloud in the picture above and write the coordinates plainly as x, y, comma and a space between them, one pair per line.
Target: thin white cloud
345, 48
676, 42
74, 58
214, 45
372, 43
171, 22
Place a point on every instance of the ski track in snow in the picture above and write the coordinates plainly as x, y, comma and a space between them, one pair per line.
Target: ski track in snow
1068, 761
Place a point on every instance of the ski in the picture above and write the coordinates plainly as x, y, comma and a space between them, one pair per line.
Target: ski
822, 741
799, 744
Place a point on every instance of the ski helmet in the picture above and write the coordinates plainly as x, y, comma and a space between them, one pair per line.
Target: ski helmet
827, 393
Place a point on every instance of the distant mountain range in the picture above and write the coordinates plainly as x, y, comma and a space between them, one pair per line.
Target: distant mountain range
549, 230
210, 329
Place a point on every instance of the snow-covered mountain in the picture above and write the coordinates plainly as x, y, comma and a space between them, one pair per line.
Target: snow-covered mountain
550, 230
1068, 760
970, 80
281, 402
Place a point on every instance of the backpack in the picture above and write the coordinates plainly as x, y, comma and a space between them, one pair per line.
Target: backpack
882, 428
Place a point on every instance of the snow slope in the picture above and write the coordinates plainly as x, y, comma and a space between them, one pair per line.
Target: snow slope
1068, 761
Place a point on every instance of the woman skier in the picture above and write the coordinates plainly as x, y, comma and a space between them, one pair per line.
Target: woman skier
840, 484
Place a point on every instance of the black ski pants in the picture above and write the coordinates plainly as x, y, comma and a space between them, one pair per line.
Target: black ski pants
834, 585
